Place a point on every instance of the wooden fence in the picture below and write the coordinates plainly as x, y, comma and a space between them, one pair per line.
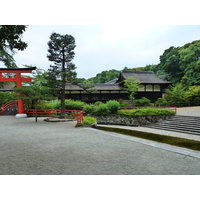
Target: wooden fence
75, 114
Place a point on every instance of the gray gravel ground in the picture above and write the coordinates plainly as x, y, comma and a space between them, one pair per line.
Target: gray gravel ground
55, 148
189, 111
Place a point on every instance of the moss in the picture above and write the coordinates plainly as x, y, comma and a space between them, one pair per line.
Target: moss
180, 142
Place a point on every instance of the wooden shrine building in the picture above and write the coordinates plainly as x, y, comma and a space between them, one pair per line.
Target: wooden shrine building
150, 87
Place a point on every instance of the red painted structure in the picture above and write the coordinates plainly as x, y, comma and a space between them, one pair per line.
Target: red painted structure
18, 79
75, 114
7, 105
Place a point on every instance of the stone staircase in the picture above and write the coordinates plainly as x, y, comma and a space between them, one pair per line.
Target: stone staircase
179, 123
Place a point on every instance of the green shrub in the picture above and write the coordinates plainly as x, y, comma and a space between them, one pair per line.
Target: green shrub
113, 106
161, 102
7, 96
102, 109
143, 102
74, 105
97, 103
89, 120
52, 105
123, 103
146, 112
88, 109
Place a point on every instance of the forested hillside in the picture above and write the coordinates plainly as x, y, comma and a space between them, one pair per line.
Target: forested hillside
177, 64
180, 64
103, 77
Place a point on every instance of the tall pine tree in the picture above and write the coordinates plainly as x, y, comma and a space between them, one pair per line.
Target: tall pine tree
61, 52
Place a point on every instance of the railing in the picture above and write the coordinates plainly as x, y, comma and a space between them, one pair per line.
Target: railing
5, 106
168, 108
75, 114
79, 118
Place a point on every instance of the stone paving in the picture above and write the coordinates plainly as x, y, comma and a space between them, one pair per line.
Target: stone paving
58, 148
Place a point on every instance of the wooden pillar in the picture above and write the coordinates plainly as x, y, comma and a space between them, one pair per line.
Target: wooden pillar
20, 101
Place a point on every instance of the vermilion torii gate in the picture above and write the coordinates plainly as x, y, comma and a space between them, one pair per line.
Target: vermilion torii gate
18, 79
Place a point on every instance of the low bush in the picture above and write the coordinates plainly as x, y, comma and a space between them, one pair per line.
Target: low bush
143, 102
113, 106
7, 96
97, 103
89, 121
146, 112
52, 105
74, 105
102, 109
88, 109
123, 103
161, 102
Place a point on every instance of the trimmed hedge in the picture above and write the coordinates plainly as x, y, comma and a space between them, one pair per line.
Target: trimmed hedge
89, 120
102, 109
110, 107
74, 105
113, 106
146, 112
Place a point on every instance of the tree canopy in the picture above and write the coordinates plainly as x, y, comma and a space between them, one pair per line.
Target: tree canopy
131, 85
10, 40
35, 93
61, 52
105, 76
177, 63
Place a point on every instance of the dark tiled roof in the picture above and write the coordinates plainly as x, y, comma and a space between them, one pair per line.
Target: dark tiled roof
147, 77
102, 86
112, 81
8, 87
18, 69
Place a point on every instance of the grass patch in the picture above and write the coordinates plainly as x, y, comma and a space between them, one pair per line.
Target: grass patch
89, 120
180, 142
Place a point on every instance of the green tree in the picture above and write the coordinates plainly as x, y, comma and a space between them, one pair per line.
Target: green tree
6, 97
175, 96
35, 94
192, 95
131, 85
180, 62
10, 40
38, 77
105, 76
61, 52
190, 61
170, 64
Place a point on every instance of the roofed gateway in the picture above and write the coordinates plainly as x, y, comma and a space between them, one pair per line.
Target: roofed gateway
150, 87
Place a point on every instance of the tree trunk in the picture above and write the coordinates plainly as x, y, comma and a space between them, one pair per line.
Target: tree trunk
62, 98
36, 115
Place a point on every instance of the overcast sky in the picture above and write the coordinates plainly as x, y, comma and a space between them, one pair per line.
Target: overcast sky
100, 48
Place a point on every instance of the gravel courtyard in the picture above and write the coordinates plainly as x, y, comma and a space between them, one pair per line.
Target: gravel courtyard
55, 148
189, 111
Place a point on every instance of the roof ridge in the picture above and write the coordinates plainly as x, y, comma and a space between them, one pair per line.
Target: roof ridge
139, 72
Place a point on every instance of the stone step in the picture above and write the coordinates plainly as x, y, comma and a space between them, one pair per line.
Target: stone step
176, 128
192, 132
178, 123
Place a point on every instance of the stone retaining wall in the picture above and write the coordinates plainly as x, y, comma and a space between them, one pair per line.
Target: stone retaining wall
129, 120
